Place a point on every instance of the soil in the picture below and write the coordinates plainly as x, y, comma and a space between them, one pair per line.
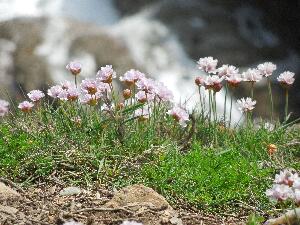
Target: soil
43, 204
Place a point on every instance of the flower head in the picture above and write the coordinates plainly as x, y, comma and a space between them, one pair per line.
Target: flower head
131, 77
74, 67
199, 81
54, 91
127, 93
207, 64
234, 80
141, 96
35, 95
213, 83
91, 100
246, 105
180, 115
266, 69
162, 92
286, 177
286, 79
271, 149
89, 86
227, 71
26, 106
4, 107
252, 75
146, 84
106, 74
279, 192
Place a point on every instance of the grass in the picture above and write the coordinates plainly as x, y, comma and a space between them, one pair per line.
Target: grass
206, 165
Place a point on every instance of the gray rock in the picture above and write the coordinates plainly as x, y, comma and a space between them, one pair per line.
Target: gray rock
70, 191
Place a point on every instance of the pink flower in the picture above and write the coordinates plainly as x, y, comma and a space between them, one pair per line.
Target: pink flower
89, 86
89, 99
234, 80
252, 75
74, 67
35, 95
146, 84
54, 91
200, 81
180, 115
246, 105
26, 106
73, 94
131, 77
63, 95
279, 192
208, 64
106, 74
213, 83
141, 96
285, 177
3, 107
162, 92
227, 71
266, 69
286, 78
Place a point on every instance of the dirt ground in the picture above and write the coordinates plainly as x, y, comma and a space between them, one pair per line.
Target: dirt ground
45, 204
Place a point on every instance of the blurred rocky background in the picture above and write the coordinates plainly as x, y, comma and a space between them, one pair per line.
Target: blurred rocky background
163, 38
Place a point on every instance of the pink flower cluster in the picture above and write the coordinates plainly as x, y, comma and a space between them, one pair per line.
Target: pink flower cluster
286, 186
233, 77
35, 96
4, 107
246, 105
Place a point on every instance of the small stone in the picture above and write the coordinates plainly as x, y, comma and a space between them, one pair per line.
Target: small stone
70, 191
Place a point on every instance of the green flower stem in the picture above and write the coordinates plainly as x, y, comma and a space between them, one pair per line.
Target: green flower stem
271, 98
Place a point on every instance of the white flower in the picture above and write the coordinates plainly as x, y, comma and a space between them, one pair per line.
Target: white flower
286, 78
285, 177
279, 192
35, 95
252, 75
127, 222
246, 105
208, 64
227, 71
266, 69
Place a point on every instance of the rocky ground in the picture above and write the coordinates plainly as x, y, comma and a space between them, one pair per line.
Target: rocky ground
54, 204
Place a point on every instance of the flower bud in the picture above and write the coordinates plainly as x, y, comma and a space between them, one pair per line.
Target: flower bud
126, 93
